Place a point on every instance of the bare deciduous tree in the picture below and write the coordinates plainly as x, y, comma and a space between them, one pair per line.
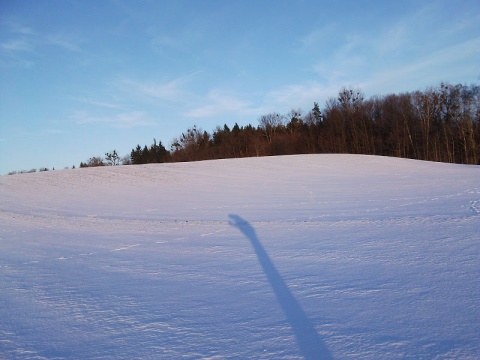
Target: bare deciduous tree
112, 158
270, 124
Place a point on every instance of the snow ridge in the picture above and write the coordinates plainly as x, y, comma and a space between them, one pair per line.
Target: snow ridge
311, 256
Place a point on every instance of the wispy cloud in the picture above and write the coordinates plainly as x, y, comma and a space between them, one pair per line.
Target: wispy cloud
19, 28
317, 37
392, 39
17, 45
18, 41
455, 60
219, 102
94, 102
125, 120
300, 95
56, 132
172, 90
350, 58
165, 43
66, 42
404, 53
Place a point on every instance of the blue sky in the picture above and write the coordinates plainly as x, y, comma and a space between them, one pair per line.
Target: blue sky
80, 78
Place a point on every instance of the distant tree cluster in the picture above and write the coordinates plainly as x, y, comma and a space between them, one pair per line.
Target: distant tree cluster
111, 158
29, 171
93, 162
156, 153
439, 124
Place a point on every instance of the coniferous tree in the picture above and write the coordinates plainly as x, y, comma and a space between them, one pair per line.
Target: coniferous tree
439, 124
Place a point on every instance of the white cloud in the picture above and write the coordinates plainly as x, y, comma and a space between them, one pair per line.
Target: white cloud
94, 102
19, 28
125, 120
17, 45
173, 90
69, 43
56, 131
317, 37
407, 54
164, 44
300, 95
455, 61
220, 102
18, 41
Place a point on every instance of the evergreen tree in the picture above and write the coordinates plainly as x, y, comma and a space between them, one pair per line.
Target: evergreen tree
316, 113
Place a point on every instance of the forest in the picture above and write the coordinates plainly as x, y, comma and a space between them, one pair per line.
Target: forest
439, 124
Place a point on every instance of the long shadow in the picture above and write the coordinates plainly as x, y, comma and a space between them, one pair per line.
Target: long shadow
309, 342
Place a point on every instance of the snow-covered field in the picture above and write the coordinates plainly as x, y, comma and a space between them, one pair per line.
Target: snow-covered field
316, 256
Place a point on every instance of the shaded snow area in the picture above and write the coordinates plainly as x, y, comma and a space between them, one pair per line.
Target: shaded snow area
315, 257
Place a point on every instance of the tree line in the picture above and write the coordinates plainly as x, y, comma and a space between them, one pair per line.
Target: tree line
439, 124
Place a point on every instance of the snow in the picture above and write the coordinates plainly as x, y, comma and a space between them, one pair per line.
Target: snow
310, 256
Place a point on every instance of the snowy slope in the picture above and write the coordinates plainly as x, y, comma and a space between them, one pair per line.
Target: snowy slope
315, 256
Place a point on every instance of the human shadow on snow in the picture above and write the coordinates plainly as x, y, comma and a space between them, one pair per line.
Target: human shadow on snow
309, 342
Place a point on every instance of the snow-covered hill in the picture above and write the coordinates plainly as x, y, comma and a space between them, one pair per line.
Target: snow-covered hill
315, 256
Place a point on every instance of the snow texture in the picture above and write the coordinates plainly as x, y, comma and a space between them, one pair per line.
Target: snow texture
311, 256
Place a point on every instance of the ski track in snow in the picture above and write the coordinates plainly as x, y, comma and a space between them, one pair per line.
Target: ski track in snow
315, 256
